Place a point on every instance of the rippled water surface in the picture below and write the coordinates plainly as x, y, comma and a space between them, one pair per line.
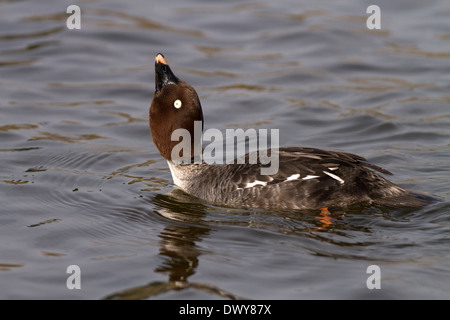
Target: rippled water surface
81, 182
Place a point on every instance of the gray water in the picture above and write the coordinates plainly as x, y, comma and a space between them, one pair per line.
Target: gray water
81, 182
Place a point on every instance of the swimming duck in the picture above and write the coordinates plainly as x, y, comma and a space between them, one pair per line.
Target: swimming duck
307, 178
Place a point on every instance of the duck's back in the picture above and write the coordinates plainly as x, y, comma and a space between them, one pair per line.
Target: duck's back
307, 178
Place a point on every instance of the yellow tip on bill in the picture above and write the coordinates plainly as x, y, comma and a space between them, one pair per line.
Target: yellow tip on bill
160, 59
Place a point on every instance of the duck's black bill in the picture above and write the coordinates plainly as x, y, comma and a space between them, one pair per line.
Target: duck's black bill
163, 74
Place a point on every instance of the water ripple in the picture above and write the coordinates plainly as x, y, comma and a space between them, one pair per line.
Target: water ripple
82, 183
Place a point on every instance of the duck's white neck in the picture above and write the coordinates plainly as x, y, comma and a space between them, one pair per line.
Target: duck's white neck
176, 175
183, 174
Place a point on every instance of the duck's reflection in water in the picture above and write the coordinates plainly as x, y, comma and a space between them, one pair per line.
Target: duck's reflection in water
178, 248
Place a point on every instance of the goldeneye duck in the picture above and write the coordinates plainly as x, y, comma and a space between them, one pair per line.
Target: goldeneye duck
307, 178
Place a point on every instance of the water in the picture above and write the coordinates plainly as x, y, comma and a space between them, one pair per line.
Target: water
81, 182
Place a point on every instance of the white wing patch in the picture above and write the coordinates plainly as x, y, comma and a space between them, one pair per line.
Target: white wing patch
293, 177
335, 177
310, 177
255, 183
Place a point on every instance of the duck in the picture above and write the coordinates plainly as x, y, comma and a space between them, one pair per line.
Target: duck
306, 177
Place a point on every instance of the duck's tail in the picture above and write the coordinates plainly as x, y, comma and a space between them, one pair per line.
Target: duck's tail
411, 199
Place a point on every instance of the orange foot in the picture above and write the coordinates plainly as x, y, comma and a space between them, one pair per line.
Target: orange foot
325, 218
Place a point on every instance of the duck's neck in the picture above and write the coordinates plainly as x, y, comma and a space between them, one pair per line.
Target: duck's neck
183, 174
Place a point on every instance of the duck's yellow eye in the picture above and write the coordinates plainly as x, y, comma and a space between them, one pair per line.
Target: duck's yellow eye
177, 104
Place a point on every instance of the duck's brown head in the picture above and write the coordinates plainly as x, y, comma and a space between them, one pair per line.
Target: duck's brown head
175, 105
